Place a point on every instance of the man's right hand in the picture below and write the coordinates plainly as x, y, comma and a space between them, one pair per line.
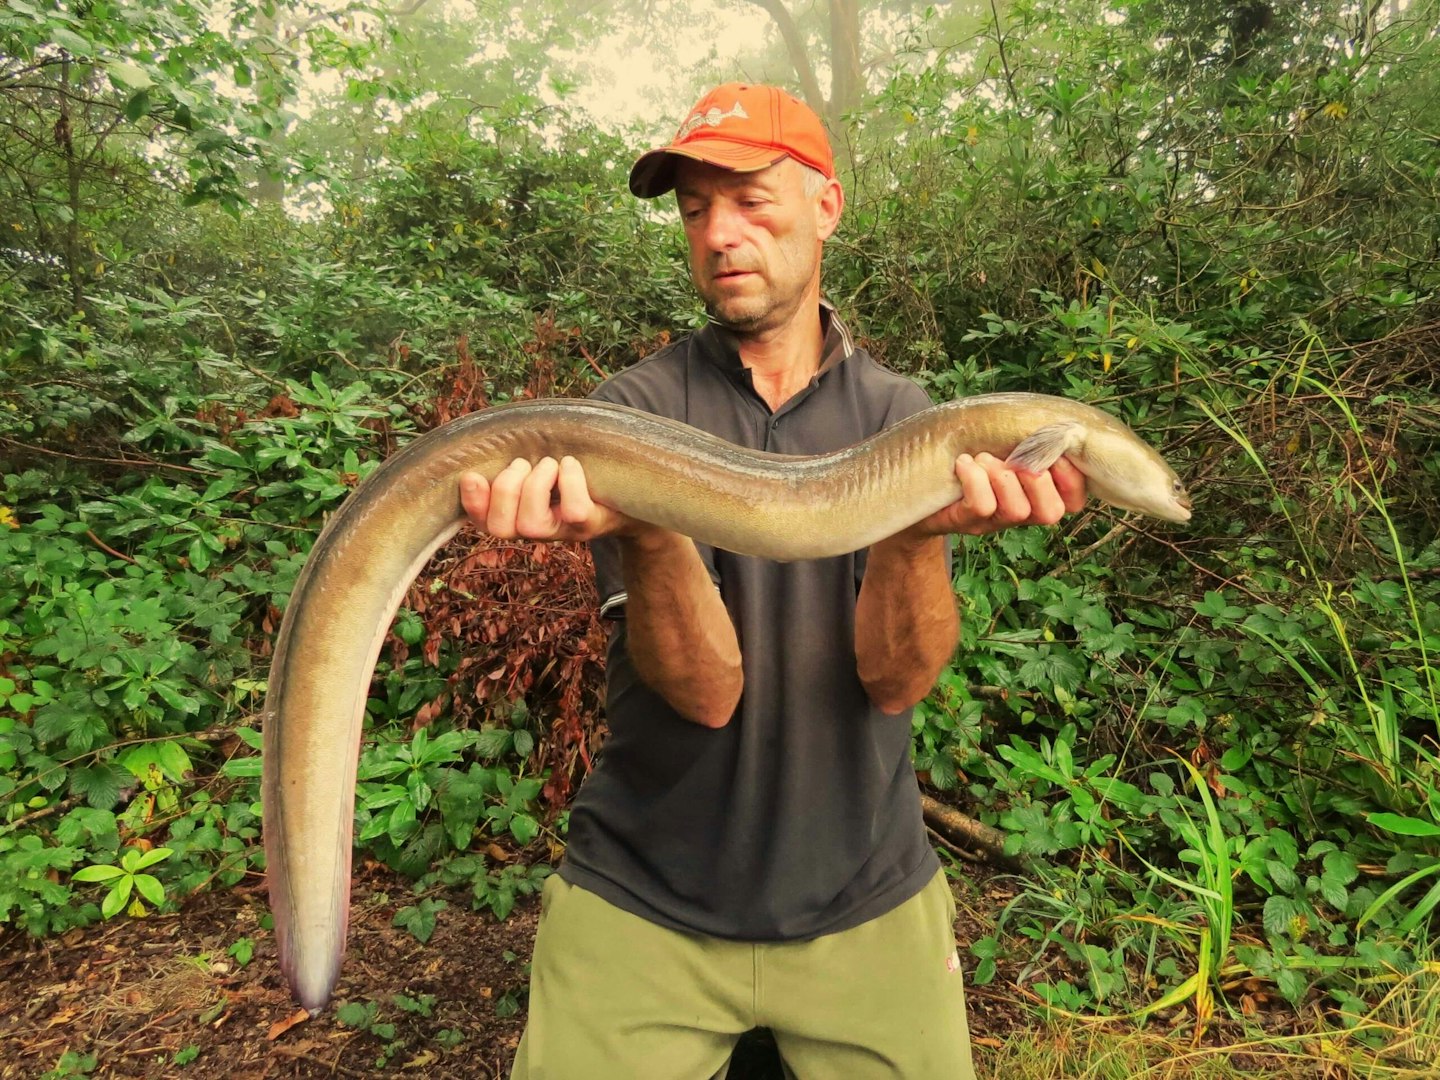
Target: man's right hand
549, 500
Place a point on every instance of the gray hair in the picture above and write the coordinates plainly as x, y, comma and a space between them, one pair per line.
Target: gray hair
813, 179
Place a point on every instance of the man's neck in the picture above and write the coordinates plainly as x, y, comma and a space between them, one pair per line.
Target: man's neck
782, 362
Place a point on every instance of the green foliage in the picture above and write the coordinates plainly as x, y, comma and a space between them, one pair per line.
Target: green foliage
1216, 747
242, 950
72, 1065
185, 1055
127, 878
419, 918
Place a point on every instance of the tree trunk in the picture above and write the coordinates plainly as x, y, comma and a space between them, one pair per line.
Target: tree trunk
799, 57
847, 81
64, 138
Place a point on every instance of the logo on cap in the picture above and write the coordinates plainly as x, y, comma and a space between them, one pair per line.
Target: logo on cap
711, 117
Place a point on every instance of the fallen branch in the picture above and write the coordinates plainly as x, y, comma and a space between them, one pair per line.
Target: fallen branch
962, 829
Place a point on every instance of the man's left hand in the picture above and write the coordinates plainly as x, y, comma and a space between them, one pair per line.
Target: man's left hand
998, 497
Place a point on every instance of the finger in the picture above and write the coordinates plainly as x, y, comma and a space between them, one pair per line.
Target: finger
1046, 505
1070, 483
505, 499
576, 506
1012, 505
977, 494
536, 517
475, 496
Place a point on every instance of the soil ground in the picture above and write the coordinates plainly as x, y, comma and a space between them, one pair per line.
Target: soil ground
162, 997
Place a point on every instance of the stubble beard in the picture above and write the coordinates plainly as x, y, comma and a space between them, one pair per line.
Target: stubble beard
741, 321
770, 310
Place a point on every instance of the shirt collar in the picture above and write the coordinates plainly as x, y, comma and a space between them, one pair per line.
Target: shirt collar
722, 348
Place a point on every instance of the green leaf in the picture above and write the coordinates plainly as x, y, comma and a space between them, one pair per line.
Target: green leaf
1335, 894
1280, 914
1292, 984
128, 76
492, 742
100, 785
199, 555
420, 919
173, 759
116, 899
1341, 866
353, 1014
98, 872
1404, 826
150, 888
1282, 875
524, 828
153, 856
242, 950
187, 1055
174, 698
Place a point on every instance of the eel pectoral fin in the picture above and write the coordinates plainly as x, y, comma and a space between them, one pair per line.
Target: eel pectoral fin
1041, 449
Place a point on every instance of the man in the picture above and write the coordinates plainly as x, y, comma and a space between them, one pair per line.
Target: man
749, 850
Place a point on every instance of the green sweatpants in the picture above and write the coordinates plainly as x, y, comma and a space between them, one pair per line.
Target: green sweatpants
615, 996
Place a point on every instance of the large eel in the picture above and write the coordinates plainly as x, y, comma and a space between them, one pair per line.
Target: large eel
657, 470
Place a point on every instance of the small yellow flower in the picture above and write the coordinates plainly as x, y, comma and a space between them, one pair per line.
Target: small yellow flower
7, 517
972, 136
1335, 110
1105, 359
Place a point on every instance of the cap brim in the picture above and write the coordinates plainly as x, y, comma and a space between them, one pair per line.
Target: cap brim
654, 173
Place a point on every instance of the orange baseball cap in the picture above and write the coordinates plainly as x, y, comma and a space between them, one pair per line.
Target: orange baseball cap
740, 127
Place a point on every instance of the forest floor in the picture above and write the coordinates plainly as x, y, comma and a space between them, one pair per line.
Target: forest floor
164, 997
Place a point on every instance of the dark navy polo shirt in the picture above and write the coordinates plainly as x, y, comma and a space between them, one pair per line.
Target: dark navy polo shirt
801, 817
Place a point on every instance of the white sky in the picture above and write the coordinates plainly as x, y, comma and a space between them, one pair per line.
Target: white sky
631, 84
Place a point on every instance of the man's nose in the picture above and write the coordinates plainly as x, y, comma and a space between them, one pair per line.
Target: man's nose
722, 228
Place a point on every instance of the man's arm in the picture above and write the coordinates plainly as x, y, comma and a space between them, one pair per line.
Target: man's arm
678, 632
906, 622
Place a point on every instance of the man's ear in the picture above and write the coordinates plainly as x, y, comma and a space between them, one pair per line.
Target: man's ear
828, 205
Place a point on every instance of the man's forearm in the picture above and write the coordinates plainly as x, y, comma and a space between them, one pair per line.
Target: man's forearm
906, 622
678, 632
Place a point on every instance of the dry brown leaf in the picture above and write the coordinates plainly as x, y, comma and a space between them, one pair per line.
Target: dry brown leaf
279, 1027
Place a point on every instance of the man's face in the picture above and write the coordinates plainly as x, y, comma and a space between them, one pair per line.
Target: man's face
754, 241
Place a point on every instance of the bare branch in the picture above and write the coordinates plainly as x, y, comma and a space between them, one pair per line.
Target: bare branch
799, 56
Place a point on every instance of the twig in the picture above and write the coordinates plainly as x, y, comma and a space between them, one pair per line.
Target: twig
1004, 63
129, 463
1203, 569
332, 1066
43, 812
106, 547
1000, 693
954, 849
1086, 552
212, 734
